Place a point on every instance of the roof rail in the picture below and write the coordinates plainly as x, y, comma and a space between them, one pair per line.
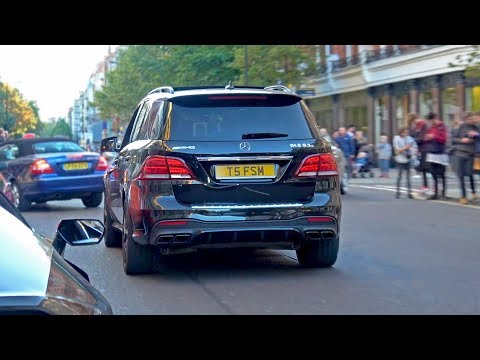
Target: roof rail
162, 89
279, 88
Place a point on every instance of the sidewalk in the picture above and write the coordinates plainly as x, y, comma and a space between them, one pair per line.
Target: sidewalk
453, 186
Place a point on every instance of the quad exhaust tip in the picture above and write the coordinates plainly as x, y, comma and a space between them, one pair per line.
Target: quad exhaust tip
320, 235
173, 238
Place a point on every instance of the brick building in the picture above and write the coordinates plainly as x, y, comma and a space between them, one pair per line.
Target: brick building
375, 86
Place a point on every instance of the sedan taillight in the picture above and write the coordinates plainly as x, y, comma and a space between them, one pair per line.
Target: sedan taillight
102, 164
40, 167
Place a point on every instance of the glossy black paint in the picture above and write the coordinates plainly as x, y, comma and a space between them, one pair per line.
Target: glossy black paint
210, 204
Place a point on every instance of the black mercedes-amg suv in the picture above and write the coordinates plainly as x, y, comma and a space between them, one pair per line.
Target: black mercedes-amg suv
221, 167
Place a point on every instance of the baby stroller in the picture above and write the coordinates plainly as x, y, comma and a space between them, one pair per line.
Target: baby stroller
363, 163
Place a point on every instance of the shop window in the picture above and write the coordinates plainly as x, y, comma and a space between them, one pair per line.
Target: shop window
324, 119
473, 98
425, 100
357, 115
450, 108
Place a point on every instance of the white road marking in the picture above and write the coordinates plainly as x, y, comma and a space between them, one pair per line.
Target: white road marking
404, 191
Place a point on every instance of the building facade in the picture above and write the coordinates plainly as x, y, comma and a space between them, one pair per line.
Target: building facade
374, 87
88, 127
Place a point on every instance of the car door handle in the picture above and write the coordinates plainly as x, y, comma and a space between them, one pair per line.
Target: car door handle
127, 158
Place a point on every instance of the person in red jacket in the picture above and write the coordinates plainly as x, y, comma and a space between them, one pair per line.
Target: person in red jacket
435, 146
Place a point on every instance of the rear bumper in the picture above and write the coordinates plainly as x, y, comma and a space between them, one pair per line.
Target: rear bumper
63, 187
197, 234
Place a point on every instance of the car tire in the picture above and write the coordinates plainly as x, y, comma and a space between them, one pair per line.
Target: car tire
18, 200
318, 254
93, 200
112, 237
137, 258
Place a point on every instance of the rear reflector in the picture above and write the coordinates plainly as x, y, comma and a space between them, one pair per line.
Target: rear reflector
320, 219
173, 223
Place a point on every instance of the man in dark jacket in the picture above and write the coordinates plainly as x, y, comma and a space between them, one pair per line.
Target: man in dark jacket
345, 143
464, 149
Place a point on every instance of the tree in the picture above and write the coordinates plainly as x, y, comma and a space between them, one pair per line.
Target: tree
18, 117
62, 128
470, 62
144, 67
269, 65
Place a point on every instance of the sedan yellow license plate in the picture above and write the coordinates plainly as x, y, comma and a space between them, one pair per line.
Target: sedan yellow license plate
250, 171
75, 166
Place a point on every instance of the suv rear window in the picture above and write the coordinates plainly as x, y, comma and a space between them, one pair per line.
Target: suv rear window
228, 117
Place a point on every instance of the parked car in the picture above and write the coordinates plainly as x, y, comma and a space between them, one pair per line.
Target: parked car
222, 167
340, 159
34, 276
43, 169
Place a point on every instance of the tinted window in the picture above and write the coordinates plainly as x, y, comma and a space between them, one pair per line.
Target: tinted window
227, 118
139, 122
146, 131
56, 146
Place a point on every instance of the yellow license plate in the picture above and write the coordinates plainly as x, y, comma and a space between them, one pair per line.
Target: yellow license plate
251, 171
76, 166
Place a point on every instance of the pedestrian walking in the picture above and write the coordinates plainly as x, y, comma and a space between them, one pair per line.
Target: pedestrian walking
434, 145
405, 151
418, 133
384, 155
463, 143
451, 146
345, 143
359, 141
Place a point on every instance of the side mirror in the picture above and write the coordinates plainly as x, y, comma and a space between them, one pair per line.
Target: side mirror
78, 232
109, 144
3, 166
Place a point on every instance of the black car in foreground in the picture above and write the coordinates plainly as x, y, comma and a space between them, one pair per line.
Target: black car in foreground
222, 167
35, 279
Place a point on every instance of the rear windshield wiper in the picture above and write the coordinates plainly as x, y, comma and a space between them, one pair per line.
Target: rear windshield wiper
262, 135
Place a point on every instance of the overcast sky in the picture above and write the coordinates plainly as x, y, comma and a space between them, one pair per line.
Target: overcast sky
53, 75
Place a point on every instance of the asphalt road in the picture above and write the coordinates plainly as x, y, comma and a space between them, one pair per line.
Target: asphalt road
396, 257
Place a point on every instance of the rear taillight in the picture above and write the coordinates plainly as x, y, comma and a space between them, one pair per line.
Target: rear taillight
161, 167
318, 165
102, 164
40, 167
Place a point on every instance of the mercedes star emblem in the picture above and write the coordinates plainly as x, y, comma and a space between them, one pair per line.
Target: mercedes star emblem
245, 146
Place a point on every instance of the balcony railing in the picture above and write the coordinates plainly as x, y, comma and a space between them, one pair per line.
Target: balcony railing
345, 62
390, 51
369, 56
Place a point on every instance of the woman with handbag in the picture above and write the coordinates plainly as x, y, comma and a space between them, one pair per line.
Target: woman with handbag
405, 149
